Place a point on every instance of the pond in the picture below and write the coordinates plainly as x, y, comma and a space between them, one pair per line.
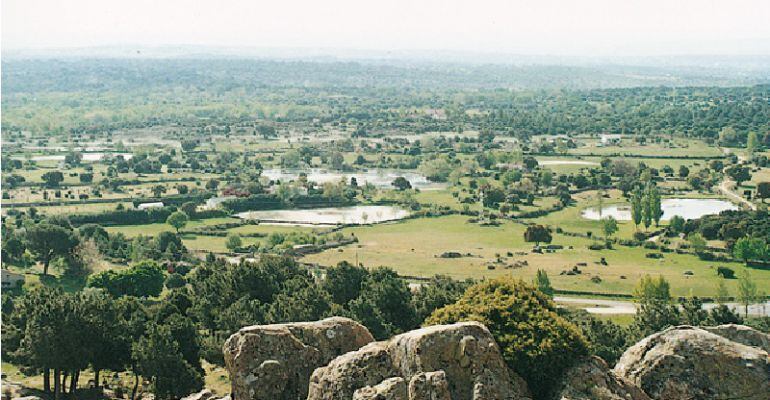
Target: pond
567, 162
685, 208
328, 216
381, 178
86, 156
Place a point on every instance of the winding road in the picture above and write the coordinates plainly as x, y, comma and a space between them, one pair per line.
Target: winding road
724, 187
616, 307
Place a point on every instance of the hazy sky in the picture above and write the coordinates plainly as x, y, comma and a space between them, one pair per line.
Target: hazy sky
566, 27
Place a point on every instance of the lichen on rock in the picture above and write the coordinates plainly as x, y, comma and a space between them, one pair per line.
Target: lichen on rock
686, 362
274, 362
459, 361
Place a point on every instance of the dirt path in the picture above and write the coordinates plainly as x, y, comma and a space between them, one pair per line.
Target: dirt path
724, 187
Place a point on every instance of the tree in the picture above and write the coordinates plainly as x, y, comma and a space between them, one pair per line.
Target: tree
749, 248
655, 309
344, 281
739, 174
233, 241
533, 337
722, 293
337, 161
683, 171
47, 241
86, 177
647, 207
308, 302
52, 179
212, 184
609, 226
144, 279
189, 145
752, 143
175, 281
440, 291
401, 183
537, 234
189, 208
158, 190
763, 190
747, 291
656, 207
697, 242
637, 208
160, 359
543, 284
436, 170
383, 305
676, 224
178, 220
649, 288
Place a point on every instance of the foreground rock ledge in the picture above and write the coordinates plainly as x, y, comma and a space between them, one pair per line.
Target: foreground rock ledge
685, 362
442, 362
274, 362
593, 380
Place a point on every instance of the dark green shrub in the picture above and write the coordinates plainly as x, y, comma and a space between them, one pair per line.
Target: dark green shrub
535, 340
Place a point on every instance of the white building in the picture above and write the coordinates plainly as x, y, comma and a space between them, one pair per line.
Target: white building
610, 140
146, 206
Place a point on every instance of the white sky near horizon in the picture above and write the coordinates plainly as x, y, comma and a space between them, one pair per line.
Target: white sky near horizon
543, 27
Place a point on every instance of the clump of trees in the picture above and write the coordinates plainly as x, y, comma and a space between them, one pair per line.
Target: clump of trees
646, 206
62, 334
144, 279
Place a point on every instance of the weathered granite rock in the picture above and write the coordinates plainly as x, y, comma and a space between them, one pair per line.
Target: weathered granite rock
389, 389
429, 386
742, 334
469, 361
274, 362
691, 363
593, 380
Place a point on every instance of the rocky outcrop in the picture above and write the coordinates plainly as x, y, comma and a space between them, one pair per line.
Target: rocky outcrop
459, 361
389, 389
692, 363
274, 362
742, 334
593, 380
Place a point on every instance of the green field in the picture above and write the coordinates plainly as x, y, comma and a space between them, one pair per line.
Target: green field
412, 248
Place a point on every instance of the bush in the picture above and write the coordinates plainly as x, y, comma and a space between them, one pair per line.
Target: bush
726, 272
535, 341
608, 340
175, 280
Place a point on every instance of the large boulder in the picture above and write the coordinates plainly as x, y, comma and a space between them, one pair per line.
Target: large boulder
692, 363
742, 334
593, 380
459, 361
274, 362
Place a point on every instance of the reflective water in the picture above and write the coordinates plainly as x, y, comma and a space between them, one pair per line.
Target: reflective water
685, 208
329, 216
381, 178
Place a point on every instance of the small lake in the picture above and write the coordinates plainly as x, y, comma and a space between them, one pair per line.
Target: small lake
381, 178
567, 162
328, 216
685, 208
91, 157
